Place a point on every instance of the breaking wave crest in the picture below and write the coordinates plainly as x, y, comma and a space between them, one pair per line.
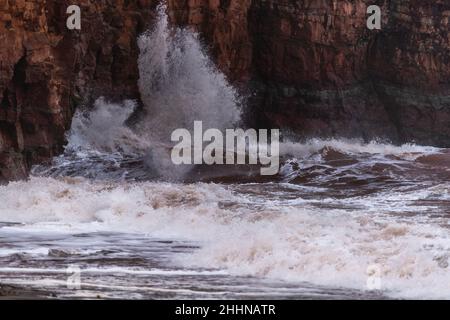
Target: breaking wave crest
178, 84
269, 231
337, 209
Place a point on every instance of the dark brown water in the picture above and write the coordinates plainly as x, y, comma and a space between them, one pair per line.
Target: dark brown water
342, 220
113, 218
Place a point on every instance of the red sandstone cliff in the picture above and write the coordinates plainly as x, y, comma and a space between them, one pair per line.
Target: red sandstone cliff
46, 70
313, 65
324, 73
319, 70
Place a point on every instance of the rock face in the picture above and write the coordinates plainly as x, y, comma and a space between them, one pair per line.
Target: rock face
318, 70
312, 65
323, 73
47, 70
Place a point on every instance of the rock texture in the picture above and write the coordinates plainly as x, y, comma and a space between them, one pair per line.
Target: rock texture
323, 73
318, 70
47, 70
225, 27
312, 66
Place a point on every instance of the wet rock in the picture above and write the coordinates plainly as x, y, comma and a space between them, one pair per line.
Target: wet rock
46, 71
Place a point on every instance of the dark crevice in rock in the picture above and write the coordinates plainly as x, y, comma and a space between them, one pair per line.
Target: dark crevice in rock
4, 104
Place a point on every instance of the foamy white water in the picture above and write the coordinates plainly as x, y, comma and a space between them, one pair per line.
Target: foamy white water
271, 231
340, 214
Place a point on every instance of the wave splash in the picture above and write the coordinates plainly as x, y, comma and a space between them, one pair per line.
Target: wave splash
178, 83
338, 206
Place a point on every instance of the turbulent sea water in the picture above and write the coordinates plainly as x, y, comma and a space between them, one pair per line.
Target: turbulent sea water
342, 220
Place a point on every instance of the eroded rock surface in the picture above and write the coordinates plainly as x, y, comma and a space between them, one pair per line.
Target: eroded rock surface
313, 65
47, 70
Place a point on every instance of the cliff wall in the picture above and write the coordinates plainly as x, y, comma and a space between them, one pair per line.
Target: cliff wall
312, 66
